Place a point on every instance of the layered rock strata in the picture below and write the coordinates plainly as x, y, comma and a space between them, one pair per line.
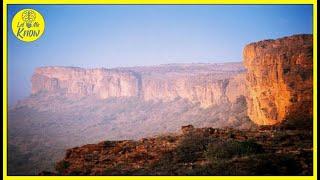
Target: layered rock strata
206, 88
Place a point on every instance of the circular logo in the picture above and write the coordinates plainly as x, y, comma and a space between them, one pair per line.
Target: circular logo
28, 25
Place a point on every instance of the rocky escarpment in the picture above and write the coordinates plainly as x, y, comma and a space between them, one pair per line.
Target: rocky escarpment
208, 86
76, 106
126, 104
80, 82
279, 79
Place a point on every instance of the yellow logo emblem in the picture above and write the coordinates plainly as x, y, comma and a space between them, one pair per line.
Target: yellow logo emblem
28, 25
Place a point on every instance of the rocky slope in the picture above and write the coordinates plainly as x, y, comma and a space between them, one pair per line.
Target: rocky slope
280, 79
205, 151
205, 84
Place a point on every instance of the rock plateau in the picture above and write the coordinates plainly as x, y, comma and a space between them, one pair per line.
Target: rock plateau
209, 85
71, 107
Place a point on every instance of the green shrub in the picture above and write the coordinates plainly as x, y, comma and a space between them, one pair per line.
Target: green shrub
192, 147
62, 166
229, 149
76, 172
166, 165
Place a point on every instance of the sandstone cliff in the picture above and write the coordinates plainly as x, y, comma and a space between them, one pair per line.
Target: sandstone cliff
279, 79
80, 82
207, 85
76, 106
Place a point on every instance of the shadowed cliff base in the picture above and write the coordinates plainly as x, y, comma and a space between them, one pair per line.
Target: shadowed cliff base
40, 132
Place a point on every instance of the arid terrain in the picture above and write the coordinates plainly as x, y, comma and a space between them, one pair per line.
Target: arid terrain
202, 151
240, 115
73, 106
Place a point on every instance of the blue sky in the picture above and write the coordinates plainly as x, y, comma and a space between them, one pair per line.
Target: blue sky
121, 35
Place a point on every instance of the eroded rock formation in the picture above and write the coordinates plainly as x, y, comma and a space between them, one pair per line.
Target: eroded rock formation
80, 82
207, 86
91, 105
76, 106
279, 79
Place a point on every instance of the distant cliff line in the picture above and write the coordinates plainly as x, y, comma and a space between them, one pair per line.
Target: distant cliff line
207, 84
277, 81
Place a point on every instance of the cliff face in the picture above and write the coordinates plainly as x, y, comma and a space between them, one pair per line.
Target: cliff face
236, 88
80, 82
78, 104
279, 79
196, 89
198, 86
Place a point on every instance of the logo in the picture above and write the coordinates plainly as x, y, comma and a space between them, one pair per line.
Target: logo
28, 25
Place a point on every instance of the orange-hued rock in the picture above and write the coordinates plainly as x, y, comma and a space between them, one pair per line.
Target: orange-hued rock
187, 152
279, 79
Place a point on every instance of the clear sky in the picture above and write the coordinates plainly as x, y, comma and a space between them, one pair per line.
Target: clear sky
123, 35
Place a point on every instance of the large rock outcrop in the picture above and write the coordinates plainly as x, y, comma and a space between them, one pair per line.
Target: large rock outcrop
279, 79
208, 85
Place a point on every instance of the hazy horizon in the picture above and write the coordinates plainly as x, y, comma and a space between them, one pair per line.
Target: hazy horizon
111, 36
151, 65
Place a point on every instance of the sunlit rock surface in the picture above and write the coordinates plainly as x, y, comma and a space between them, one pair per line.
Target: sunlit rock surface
279, 79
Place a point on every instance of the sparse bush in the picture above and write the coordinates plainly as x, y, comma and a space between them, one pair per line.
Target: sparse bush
169, 138
165, 165
108, 171
271, 164
62, 166
229, 149
253, 165
192, 147
76, 172
117, 169
219, 167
